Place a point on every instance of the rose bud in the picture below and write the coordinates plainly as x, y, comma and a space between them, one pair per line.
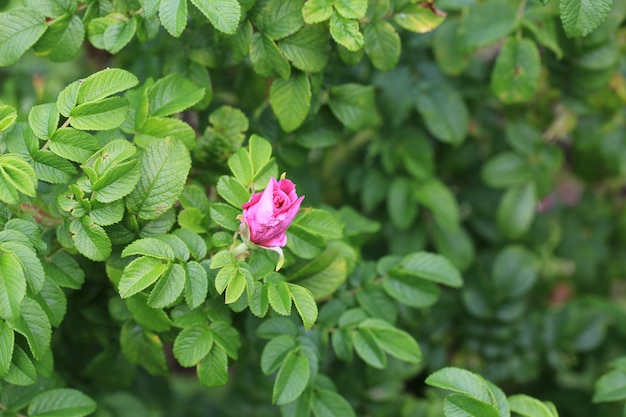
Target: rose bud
268, 214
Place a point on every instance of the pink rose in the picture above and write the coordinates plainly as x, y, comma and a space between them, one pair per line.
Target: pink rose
269, 214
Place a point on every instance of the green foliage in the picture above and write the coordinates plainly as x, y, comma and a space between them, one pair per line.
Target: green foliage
463, 166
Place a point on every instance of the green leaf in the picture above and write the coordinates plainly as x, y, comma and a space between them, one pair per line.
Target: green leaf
609, 387
21, 28
354, 105
316, 11
346, 32
22, 370
16, 176
90, 239
105, 114
33, 324
67, 98
173, 94
327, 403
444, 112
225, 216
527, 406
232, 191
258, 300
368, 349
275, 352
8, 116
195, 244
63, 39
61, 402
105, 83
150, 318
581, 17
440, 200
12, 286
73, 144
394, 341
173, 16
227, 337
323, 275
504, 170
448, 48
196, 284
192, 344
241, 167
223, 14
7, 343
31, 265
461, 381
291, 101
462, 405
266, 58
165, 127
307, 49
52, 168
118, 181
150, 7
149, 246
213, 369
517, 210
292, 378
351, 9
106, 214
280, 18
401, 207
143, 348
319, 222
235, 288
116, 35
305, 304
168, 287
487, 23
382, 45
164, 168
280, 297
515, 76
411, 291
431, 267
44, 119
419, 19
140, 274
64, 270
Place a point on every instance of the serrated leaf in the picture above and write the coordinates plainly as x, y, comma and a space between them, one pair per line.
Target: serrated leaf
64, 270
31, 265
149, 246
368, 349
444, 112
307, 49
139, 274
52, 168
280, 18
164, 168
515, 76
382, 45
105, 114
73, 144
7, 343
196, 284
305, 304
224, 15
351, 9
165, 127
90, 239
527, 406
319, 222
173, 16
21, 28
394, 341
327, 403
150, 318
232, 191
225, 216
292, 378
280, 297
580, 17
192, 344
275, 352
226, 337
33, 324
61, 402
168, 287
241, 167
353, 105
411, 291
266, 58
16, 175
117, 35
173, 94
150, 7
610, 387
106, 214
291, 100
143, 348
8, 116
12, 285
43, 120
213, 370
63, 39
67, 98
104, 84
418, 18
461, 381
316, 11
197, 245
346, 32
458, 404
431, 267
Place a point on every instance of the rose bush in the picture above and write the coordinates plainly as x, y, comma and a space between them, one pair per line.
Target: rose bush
268, 214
